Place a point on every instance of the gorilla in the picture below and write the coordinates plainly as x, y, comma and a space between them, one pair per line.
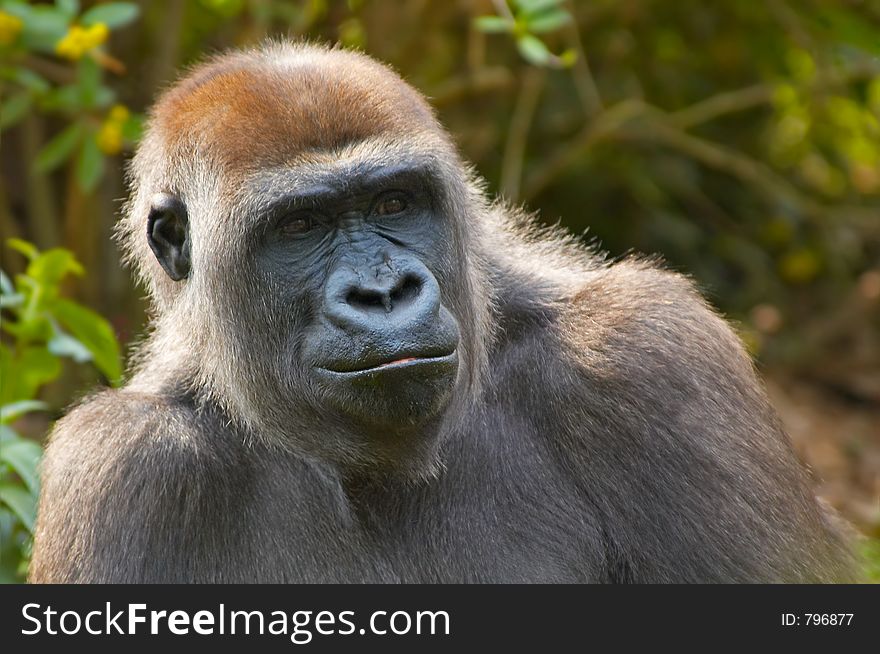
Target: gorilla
360, 368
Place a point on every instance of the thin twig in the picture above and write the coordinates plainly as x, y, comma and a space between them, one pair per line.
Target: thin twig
503, 10
40, 191
52, 70
790, 22
756, 173
518, 133
584, 83
721, 104
760, 94
607, 122
484, 80
610, 120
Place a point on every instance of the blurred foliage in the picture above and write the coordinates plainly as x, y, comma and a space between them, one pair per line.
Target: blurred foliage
525, 20
741, 140
871, 557
42, 328
93, 129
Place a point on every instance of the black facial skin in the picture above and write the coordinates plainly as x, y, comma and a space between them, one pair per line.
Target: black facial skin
350, 260
380, 344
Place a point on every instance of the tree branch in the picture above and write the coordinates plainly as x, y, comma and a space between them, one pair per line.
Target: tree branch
606, 123
756, 173
750, 97
518, 133
584, 83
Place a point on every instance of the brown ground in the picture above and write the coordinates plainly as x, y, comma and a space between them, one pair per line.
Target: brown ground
840, 440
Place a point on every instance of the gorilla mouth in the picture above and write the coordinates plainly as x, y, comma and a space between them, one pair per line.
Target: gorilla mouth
398, 361
393, 364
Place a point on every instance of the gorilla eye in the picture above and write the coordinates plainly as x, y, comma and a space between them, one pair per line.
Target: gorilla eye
391, 205
297, 224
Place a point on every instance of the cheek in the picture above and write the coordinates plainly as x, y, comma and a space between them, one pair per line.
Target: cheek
432, 240
443, 261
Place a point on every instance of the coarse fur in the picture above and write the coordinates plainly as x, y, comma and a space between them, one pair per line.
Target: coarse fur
604, 424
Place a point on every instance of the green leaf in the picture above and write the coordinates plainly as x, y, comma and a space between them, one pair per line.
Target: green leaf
14, 109
30, 80
51, 266
94, 332
847, 26
533, 7
548, 22
568, 57
7, 434
69, 8
11, 300
11, 412
6, 286
22, 503
35, 366
17, 8
10, 553
89, 165
112, 14
493, 24
65, 345
533, 50
24, 457
59, 149
44, 25
31, 327
63, 99
27, 249
104, 97
7, 387
133, 128
88, 82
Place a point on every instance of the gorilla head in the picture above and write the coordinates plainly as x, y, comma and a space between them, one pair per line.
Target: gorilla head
315, 235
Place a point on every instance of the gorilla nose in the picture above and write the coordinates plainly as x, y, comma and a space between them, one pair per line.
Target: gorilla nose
399, 293
369, 303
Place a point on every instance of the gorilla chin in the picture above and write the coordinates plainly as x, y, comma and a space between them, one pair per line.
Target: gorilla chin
386, 394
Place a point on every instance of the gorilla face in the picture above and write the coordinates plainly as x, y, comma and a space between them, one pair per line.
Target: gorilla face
337, 307
361, 254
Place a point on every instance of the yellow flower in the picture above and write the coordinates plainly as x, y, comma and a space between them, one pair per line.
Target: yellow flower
800, 266
119, 113
80, 40
10, 28
109, 137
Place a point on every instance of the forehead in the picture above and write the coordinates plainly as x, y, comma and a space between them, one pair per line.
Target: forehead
265, 110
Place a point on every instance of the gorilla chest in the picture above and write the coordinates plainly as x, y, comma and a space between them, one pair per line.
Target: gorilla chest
472, 524
489, 544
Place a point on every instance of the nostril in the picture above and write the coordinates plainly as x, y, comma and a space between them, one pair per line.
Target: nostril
406, 290
402, 293
366, 299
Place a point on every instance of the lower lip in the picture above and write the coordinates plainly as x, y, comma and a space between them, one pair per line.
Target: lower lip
397, 364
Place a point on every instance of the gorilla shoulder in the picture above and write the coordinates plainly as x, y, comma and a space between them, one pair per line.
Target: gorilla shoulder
636, 320
103, 459
661, 395
114, 424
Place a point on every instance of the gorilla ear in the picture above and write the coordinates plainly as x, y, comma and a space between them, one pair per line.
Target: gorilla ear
168, 235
